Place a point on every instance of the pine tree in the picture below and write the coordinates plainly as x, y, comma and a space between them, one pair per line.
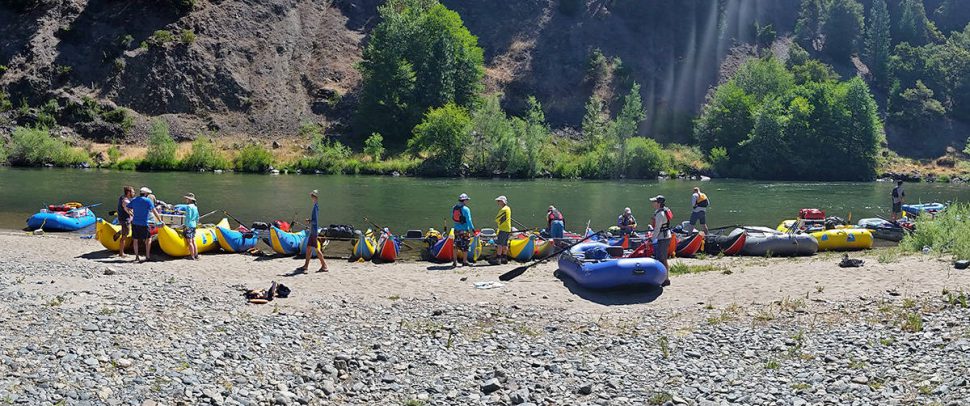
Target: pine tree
842, 28
878, 42
912, 26
808, 27
629, 119
594, 124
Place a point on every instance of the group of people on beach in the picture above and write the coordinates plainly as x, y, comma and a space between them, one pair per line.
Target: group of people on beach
135, 216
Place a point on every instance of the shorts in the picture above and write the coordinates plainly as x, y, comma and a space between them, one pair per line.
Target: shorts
660, 249
462, 239
698, 216
140, 232
897, 208
125, 229
312, 242
189, 233
503, 239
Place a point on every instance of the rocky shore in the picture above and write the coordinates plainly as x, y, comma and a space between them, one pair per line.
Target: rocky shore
80, 327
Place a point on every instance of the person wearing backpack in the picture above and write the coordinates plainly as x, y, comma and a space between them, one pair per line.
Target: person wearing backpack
462, 216
661, 232
699, 204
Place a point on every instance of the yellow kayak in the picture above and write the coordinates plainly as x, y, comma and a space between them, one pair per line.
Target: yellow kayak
843, 239
105, 232
173, 243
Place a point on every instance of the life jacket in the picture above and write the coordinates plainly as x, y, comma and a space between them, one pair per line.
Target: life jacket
702, 200
555, 215
457, 214
669, 215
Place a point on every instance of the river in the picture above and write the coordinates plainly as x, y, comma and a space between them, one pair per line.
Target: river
412, 203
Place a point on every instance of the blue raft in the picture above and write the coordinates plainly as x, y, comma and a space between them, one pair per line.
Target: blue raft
61, 221
917, 209
591, 267
236, 241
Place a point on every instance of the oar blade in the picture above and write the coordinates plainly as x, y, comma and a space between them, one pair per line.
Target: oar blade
514, 273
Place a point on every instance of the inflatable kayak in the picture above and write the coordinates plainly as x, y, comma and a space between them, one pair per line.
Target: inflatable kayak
364, 247
645, 250
591, 267
444, 249
67, 217
105, 232
284, 242
843, 239
883, 229
522, 249
726, 244
544, 248
387, 247
235, 240
475, 248
689, 244
306, 242
929, 208
173, 243
763, 242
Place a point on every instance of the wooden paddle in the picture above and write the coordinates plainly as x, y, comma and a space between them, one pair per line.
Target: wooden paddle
518, 271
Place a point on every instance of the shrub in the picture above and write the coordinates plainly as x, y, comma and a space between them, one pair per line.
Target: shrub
3, 153
204, 155
35, 146
5, 103
162, 149
121, 117
402, 165
374, 146
330, 157
47, 114
948, 233
126, 165
114, 153
442, 134
161, 37
597, 67
645, 158
253, 158
188, 36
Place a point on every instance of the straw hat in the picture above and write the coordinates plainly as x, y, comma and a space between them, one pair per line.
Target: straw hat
190, 196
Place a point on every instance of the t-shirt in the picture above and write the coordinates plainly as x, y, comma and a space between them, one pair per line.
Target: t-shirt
141, 208
659, 220
313, 218
123, 216
898, 194
504, 219
467, 225
191, 215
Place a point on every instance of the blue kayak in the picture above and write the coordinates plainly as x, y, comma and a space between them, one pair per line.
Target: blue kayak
236, 241
917, 209
72, 220
285, 243
591, 267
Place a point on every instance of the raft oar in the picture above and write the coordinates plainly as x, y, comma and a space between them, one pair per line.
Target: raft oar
233, 217
518, 271
85, 207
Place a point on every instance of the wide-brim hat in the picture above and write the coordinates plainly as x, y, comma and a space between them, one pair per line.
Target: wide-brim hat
502, 199
145, 190
190, 196
315, 193
658, 198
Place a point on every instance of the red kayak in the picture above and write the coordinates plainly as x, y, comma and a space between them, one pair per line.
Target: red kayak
645, 250
387, 248
690, 245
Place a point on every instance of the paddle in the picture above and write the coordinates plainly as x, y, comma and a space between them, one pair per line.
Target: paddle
518, 271
85, 207
233, 217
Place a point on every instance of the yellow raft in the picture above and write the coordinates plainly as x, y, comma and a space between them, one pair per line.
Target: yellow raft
842, 238
173, 243
105, 232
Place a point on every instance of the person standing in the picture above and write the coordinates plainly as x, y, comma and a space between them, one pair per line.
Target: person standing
699, 203
142, 208
463, 227
626, 222
124, 219
661, 232
899, 199
556, 224
504, 221
191, 224
313, 235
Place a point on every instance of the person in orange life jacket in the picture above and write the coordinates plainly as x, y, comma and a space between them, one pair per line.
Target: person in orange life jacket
699, 203
661, 232
556, 224
462, 216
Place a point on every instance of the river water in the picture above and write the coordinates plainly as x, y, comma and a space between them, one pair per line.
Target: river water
414, 203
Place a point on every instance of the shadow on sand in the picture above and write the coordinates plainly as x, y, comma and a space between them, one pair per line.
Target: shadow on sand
612, 297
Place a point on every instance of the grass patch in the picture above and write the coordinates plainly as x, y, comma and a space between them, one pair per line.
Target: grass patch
660, 398
772, 364
680, 268
948, 232
800, 386
664, 346
913, 322
887, 256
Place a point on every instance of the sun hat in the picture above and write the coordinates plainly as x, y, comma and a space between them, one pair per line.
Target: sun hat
190, 196
627, 210
145, 190
315, 193
551, 208
658, 198
502, 199
462, 197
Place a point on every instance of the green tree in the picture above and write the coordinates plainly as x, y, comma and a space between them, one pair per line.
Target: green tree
253, 158
495, 144
726, 120
842, 28
419, 56
442, 135
645, 158
764, 77
204, 155
952, 15
813, 70
912, 26
162, 149
917, 109
796, 55
374, 146
534, 135
595, 124
878, 42
808, 28
628, 121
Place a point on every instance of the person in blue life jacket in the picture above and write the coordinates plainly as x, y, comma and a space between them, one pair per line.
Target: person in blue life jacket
462, 217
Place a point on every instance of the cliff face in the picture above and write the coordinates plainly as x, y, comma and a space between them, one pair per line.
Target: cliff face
259, 69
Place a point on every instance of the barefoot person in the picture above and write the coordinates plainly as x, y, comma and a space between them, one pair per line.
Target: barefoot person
312, 236
462, 216
504, 221
142, 209
124, 219
661, 232
191, 223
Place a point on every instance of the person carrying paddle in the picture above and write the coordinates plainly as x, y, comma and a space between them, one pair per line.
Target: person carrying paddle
899, 198
699, 203
462, 216
556, 224
124, 218
312, 236
626, 222
504, 221
141, 209
661, 232
191, 223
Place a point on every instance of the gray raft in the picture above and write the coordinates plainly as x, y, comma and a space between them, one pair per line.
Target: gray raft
763, 241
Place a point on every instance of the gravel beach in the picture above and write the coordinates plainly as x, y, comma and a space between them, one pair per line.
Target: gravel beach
83, 327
